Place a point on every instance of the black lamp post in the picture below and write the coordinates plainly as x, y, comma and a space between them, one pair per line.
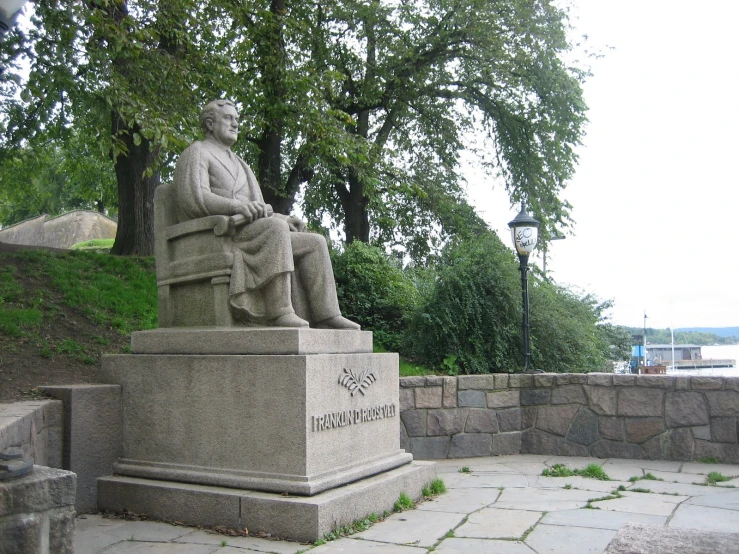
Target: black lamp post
525, 233
9, 9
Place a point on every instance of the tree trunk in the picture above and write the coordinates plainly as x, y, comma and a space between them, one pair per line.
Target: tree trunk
135, 234
356, 217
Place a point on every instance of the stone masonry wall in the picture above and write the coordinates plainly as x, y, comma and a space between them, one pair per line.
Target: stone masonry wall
602, 415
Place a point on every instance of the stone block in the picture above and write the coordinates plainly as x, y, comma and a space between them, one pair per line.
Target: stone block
534, 441
613, 449
449, 394
567, 448
304, 519
600, 379
37, 512
682, 382
415, 422
92, 436
702, 432
481, 421
706, 383
506, 443
723, 429
726, 453
624, 380
731, 383
504, 399
472, 445
430, 448
428, 397
520, 381
405, 439
501, 381
656, 381
471, 399
639, 429
445, 422
640, 402
638, 538
535, 397
723, 403
569, 394
407, 399
584, 427
611, 428
271, 423
542, 380
412, 382
509, 419
556, 419
602, 400
434, 380
678, 445
572, 379
683, 409
528, 416
477, 382
653, 447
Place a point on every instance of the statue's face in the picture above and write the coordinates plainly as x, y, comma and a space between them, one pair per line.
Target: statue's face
225, 125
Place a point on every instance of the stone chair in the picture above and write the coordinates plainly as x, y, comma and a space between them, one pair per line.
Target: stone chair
193, 265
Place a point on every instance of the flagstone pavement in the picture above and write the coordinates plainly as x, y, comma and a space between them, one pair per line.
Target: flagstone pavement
500, 505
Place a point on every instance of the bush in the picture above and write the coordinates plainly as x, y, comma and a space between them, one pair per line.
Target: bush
374, 291
470, 316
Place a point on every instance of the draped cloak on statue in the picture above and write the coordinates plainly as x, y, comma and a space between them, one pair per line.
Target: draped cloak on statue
211, 180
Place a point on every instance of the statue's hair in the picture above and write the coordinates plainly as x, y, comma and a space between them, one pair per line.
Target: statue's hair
210, 110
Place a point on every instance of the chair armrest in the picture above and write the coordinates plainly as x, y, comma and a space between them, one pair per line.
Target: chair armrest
220, 225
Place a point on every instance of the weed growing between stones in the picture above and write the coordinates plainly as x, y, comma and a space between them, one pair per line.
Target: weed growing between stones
465, 469
639, 489
403, 503
434, 488
648, 477
716, 477
709, 460
356, 526
592, 471
568, 486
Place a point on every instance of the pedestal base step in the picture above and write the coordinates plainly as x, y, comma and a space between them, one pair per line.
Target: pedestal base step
304, 519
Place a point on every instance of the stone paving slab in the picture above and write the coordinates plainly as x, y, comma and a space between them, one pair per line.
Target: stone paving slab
643, 503
492, 480
652, 539
479, 514
252, 543
414, 528
599, 519
461, 501
495, 523
480, 546
355, 546
706, 519
554, 539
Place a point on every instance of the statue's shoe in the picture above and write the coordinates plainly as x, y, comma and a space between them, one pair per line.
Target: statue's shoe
287, 320
337, 322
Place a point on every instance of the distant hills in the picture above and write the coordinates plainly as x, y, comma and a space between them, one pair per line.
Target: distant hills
720, 331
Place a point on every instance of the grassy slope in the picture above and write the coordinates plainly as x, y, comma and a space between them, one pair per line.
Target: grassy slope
60, 311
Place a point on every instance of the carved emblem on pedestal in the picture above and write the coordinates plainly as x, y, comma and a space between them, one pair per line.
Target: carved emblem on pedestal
357, 382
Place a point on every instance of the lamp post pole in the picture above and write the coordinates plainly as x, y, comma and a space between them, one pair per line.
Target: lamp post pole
524, 233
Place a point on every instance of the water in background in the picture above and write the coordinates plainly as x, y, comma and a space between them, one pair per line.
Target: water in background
720, 352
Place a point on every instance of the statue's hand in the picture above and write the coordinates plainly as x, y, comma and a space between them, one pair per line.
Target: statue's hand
296, 225
254, 210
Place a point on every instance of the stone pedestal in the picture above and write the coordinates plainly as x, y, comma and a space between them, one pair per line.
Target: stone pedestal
296, 411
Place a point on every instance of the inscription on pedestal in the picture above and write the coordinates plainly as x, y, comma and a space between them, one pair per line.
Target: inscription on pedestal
343, 418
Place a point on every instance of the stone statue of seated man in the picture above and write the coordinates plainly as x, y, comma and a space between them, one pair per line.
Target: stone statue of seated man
279, 268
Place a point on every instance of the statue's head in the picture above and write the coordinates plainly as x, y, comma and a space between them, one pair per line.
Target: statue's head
220, 120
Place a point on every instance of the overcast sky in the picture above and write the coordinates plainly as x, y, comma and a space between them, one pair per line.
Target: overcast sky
655, 195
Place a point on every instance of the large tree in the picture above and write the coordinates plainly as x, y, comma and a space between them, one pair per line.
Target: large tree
361, 109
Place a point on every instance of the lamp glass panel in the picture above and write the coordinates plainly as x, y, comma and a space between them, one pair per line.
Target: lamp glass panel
525, 238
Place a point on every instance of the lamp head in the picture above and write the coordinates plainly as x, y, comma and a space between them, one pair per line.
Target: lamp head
524, 233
